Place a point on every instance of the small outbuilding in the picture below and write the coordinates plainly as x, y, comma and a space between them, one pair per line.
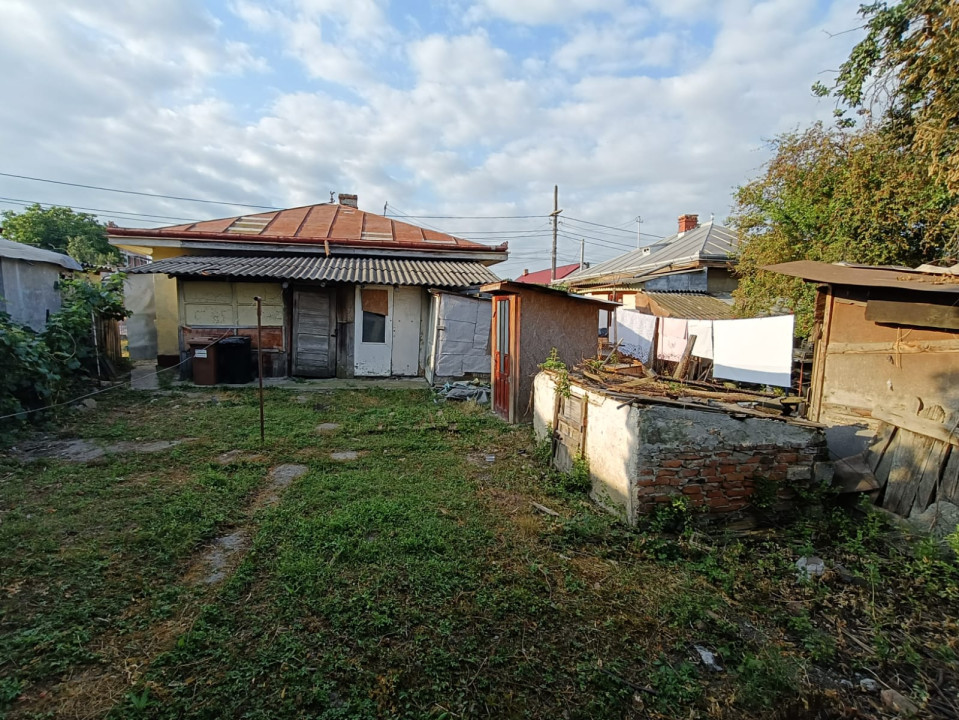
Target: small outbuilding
528, 322
28, 282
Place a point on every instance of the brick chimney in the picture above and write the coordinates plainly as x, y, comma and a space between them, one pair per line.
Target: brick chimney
351, 201
686, 222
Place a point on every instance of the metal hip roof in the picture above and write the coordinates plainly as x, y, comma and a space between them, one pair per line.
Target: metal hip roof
383, 271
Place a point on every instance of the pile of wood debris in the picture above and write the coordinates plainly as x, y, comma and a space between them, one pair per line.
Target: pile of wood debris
634, 383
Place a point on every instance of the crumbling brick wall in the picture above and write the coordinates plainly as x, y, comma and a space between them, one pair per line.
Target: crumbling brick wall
721, 463
729, 479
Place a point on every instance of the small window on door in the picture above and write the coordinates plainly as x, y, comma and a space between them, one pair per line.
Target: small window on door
374, 327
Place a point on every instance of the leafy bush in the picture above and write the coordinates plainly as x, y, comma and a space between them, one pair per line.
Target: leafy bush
41, 369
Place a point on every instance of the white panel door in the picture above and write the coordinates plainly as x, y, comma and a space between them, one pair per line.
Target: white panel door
407, 310
374, 336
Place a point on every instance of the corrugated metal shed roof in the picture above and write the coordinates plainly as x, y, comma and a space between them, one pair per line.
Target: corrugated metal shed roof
704, 243
385, 271
696, 306
511, 287
859, 275
20, 251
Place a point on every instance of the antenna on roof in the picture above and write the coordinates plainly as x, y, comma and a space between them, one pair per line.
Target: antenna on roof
711, 216
332, 193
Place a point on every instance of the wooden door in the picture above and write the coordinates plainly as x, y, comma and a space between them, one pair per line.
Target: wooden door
407, 309
314, 330
504, 355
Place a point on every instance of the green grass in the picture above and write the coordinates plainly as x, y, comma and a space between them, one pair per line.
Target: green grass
417, 581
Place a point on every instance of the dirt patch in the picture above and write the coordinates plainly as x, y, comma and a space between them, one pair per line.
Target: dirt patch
344, 455
218, 560
233, 457
87, 450
327, 427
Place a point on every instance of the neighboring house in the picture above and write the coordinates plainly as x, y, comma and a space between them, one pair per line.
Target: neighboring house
344, 291
694, 267
543, 277
28, 282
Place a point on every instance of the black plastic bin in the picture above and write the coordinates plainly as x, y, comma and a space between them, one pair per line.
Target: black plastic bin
234, 362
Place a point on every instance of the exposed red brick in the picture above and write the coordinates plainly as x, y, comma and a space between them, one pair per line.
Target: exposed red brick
688, 472
787, 458
672, 463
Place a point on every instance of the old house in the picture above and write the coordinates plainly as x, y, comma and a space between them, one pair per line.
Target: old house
28, 282
886, 375
528, 322
344, 291
693, 268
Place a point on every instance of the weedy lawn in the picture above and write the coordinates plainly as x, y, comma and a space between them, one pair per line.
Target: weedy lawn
418, 580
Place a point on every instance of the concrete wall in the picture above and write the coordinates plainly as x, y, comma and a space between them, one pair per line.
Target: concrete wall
640, 456
29, 291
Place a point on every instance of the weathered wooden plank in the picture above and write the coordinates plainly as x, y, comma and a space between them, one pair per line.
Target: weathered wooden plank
949, 485
885, 461
913, 313
901, 485
919, 425
906, 347
930, 470
878, 447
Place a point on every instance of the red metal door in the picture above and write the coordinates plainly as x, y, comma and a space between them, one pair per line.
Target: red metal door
502, 356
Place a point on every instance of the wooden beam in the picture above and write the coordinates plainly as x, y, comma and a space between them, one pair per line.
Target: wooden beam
906, 347
920, 426
913, 314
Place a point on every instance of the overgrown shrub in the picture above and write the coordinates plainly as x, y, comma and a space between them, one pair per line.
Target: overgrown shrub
41, 369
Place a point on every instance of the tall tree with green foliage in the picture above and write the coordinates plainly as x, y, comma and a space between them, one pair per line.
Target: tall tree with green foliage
62, 230
905, 75
836, 195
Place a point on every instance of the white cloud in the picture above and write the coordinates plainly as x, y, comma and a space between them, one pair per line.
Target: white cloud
127, 95
542, 12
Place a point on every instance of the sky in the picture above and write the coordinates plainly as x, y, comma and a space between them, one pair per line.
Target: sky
459, 114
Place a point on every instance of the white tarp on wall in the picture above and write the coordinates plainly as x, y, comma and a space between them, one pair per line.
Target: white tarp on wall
757, 350
462, 336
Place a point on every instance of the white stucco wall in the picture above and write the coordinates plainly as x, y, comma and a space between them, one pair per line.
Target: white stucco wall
611, 443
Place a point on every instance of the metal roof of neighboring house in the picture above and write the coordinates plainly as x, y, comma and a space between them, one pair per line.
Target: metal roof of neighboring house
20, 251
542, 277
383, 271
697, 306
869, 276
311, 225
709, 242
511, 287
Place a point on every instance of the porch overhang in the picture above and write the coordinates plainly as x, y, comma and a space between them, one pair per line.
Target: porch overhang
379, 271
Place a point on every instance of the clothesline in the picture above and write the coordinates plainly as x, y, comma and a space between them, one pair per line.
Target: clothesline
753, 350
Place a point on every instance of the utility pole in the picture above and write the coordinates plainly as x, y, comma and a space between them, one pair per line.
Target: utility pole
555, 216
639, 234
582, 253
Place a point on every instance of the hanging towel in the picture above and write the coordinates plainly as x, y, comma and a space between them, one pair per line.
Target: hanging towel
672, 339
703, 330
635, 331
758, 350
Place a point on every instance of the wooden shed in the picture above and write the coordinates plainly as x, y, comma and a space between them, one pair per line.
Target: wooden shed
886, 375
528, 322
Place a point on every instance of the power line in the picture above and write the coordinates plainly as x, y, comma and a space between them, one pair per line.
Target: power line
468, 217
18, 201
135, 192
576, 235
610, 227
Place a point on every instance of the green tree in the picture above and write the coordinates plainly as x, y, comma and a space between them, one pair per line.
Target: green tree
62, 230
835, 195
905, 73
